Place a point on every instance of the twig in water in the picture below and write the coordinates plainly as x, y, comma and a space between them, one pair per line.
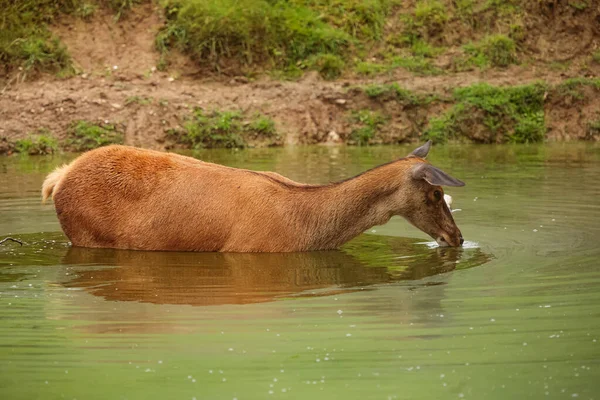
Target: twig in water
9, 238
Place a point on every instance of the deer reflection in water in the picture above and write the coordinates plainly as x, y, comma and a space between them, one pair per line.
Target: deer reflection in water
243, 278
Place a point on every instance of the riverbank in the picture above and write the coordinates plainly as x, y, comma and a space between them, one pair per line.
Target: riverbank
119, 87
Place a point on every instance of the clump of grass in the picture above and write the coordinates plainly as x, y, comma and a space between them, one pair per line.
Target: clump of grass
572, 88
579, 5
593, 129
227, 129
330, 66
37, 144
416, 65
368, 123
86, 10
25, 41
494, 50
431, 15
395, 92
84, 135
364, 19
497, 114
251, 32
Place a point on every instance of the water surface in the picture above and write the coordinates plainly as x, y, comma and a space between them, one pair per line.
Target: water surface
515, 314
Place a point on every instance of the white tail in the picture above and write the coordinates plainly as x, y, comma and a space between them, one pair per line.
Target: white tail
52, 182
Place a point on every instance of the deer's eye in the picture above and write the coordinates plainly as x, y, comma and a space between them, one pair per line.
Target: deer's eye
438, 195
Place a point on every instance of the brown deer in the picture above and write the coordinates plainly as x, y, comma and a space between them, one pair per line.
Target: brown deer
129, 198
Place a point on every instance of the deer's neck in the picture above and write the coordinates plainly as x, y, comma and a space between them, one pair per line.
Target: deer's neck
334, 214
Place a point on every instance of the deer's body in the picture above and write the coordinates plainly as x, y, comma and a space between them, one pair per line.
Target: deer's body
128, 198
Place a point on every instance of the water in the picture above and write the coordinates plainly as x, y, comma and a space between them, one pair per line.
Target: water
514, 314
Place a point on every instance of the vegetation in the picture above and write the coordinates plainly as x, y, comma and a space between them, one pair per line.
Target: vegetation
84, 135
25, 41
573, 89
37, 144
494, 50
389, 92
593, 130
493, 114
228, 129
368, 123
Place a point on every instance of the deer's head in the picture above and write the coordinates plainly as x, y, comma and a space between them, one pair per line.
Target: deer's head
423, 200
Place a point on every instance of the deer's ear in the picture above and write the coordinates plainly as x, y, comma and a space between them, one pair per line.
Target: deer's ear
421, 151
434, 176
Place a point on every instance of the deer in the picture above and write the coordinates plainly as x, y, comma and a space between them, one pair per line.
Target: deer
131, 198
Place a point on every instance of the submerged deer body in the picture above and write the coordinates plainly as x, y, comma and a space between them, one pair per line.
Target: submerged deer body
129, 198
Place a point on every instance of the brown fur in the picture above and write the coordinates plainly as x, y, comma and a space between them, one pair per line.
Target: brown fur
129, 198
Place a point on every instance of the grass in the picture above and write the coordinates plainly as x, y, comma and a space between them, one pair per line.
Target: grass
596, 56
229, 129
330, 66
593, 130
367, 125
41, 143
249, 32
504, 114
572, 88
84, 135
389, 92
26, 42
494, 50
416, 65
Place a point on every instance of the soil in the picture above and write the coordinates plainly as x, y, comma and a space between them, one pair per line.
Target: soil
117, 63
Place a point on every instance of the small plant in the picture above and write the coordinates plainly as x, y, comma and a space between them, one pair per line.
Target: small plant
530, 128
84, 135
37, 144
224, 129
579, 5
430, 14
596, 56
330, 66
368, 124
572, 88
371, 69
593, 130
86, 10
494, 50
394, 92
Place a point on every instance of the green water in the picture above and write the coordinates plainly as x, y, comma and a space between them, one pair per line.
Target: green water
514, 314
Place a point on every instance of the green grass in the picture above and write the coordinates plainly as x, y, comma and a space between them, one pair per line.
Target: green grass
250, 32
84, 135
330, 66
593, 129
573, 88
229, 129
367, 126
26, 42
431, 15
389, 92
416, 65
504, 114
494, 50
37, 144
